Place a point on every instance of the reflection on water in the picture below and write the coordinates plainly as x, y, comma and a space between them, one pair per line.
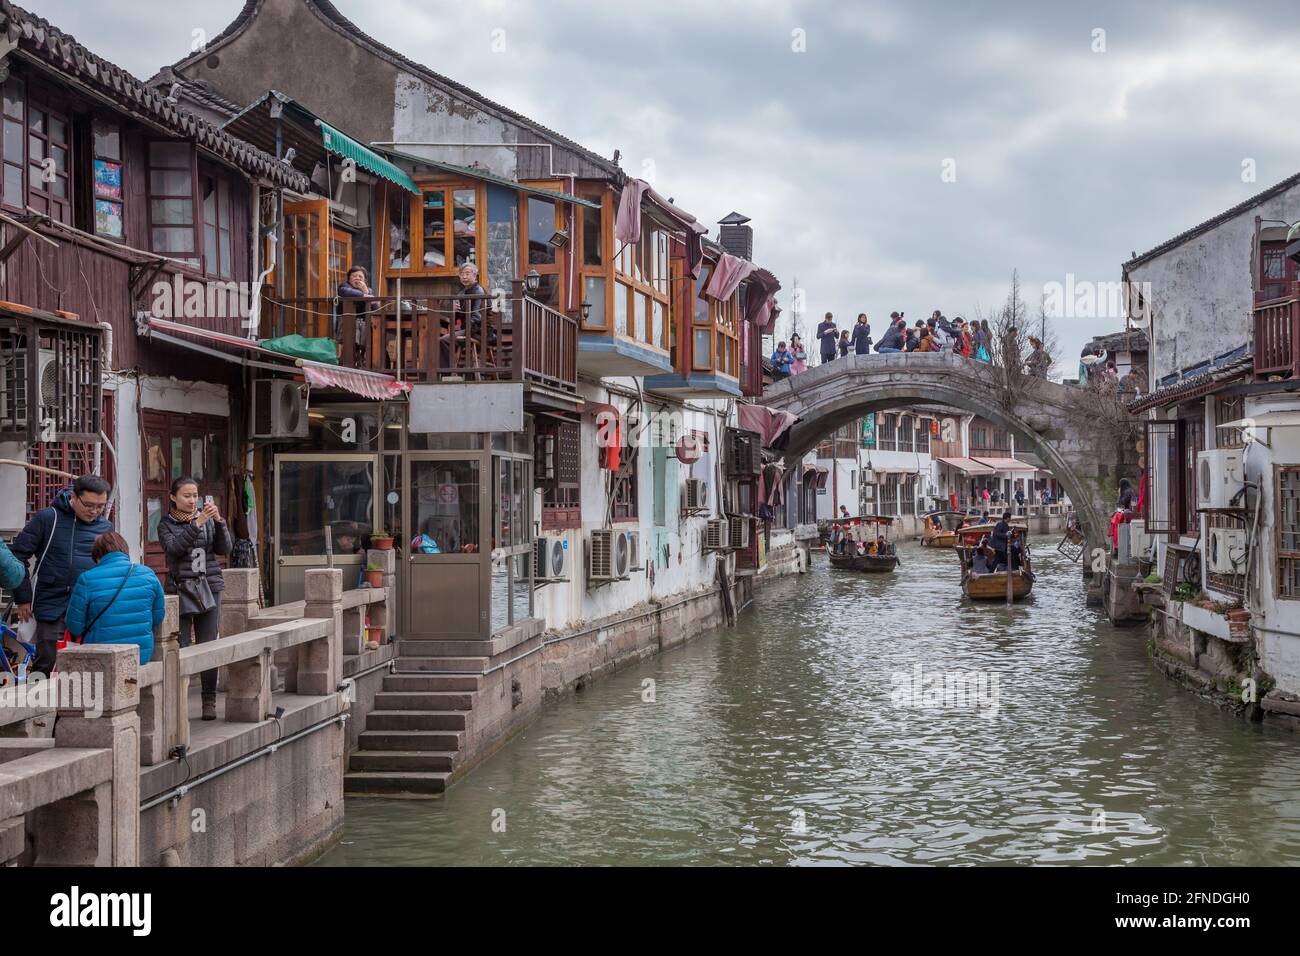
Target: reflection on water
1049, 739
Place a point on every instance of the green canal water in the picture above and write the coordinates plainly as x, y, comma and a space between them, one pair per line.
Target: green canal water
790, 740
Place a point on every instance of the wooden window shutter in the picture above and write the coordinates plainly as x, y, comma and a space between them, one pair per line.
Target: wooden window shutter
1160, 504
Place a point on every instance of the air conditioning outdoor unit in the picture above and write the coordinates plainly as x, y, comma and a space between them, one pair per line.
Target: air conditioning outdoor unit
550, 559
738, 533
607, 556
717, 537
695, 496
279, 410
633, 539
13, 384
1139, 542
1219, 476
1226, 550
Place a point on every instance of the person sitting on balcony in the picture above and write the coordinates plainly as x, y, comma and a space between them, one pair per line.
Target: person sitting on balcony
468, 308
354, 284
781, 361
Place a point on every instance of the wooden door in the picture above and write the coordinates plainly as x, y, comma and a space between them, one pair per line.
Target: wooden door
307, 262
181, 445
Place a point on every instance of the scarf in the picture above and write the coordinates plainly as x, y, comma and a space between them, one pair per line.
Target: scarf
184, 517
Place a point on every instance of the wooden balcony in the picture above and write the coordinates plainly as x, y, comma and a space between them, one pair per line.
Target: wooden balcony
439, 339
1277, 334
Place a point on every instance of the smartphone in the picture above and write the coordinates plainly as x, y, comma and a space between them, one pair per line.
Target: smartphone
207, 500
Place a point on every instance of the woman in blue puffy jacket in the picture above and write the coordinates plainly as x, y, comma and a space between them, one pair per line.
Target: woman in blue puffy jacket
116, 601
12, 571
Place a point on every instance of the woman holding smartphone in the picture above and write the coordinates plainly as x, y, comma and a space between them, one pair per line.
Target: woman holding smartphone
192, 535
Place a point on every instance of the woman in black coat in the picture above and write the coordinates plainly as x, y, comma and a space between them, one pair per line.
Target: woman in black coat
192, 535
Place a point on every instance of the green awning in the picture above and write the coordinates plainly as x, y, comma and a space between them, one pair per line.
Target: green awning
342, 145
484, 176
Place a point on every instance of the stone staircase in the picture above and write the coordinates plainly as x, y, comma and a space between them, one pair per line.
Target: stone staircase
422, 729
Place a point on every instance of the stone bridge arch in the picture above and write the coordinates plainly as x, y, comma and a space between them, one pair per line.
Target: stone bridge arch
1045, 416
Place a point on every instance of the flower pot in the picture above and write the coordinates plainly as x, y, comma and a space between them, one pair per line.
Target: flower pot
381, 542
374, 579
375, 635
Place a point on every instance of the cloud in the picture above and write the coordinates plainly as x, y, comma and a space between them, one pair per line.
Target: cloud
1067, 159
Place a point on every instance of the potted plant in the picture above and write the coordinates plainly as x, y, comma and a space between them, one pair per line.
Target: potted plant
374, 635
374, 575
381, 540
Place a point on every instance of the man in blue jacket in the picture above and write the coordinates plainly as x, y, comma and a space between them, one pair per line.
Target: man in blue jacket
59, 538
116, 601
11, 569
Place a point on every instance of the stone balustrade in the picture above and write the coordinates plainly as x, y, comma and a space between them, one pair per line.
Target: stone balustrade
70, 790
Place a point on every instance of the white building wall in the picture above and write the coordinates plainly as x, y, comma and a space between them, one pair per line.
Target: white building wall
1202, 290
682, 568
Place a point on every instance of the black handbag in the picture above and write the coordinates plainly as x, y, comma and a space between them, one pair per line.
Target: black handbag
195, 596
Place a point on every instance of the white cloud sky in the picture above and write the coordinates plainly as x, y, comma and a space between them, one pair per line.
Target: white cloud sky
1067, 159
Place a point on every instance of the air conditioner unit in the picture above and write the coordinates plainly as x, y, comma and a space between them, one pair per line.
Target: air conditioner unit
607, 556
868, 492
550, 559
14, 397
695, 496
1226, 550
279, 410
633, 539
1219, 476
717, 537
738, 534
1139, 542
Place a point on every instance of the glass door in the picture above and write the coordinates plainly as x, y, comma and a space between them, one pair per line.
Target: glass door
323, 500
450, 547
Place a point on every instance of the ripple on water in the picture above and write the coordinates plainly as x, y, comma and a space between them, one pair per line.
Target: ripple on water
779, 742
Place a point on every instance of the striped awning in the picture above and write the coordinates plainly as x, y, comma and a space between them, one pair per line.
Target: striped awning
340, 144
969, 465
367, 384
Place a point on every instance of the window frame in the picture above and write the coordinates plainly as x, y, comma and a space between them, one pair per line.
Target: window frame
62, 203
96, 124
1282, 556
21, 122
220, 182
415, 223
194, 257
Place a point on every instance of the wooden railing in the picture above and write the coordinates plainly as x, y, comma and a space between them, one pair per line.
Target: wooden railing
439, 338
1277, 335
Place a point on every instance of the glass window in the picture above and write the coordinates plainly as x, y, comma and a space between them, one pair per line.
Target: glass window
620, 308
639, 330
541, 226
178, 460
593, 290
701, 314
154, 510
592, 251
445, 506
156, 461
399, 230
319, 493
443, 441
435, 228
465, 226
703, 352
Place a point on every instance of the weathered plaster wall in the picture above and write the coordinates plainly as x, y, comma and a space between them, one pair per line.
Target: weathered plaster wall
290, 49
1201, 290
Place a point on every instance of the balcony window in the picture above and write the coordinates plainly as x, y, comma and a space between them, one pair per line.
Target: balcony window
11, 150
107, 161
435, 232
1288, 540
49, 185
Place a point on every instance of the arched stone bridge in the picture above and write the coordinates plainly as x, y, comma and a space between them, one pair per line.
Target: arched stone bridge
1087, 456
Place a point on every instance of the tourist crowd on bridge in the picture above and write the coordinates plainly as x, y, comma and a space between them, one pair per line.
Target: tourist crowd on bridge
973, 340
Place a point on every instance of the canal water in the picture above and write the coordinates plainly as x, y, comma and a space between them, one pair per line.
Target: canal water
806, 735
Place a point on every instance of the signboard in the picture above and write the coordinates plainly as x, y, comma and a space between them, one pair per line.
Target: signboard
869, 430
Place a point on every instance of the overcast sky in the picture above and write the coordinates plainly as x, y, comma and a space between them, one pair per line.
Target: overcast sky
832, 125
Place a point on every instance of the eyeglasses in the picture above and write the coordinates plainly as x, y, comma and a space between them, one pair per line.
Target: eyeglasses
93, 509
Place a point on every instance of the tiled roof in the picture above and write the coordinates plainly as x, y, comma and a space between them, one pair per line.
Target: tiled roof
1210, 223
61, 52
331, 16
1134, 340
1194, 385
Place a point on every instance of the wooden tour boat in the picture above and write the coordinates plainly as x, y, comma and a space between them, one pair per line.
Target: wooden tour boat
940, 529
993, 585
865, 545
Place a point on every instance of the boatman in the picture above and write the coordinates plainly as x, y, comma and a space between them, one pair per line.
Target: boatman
1001, 542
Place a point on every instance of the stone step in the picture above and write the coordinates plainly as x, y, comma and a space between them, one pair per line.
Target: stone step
396, 782
416, 720
404, 761
409, 648
421, 683
410, 739
425, 700
471, 665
